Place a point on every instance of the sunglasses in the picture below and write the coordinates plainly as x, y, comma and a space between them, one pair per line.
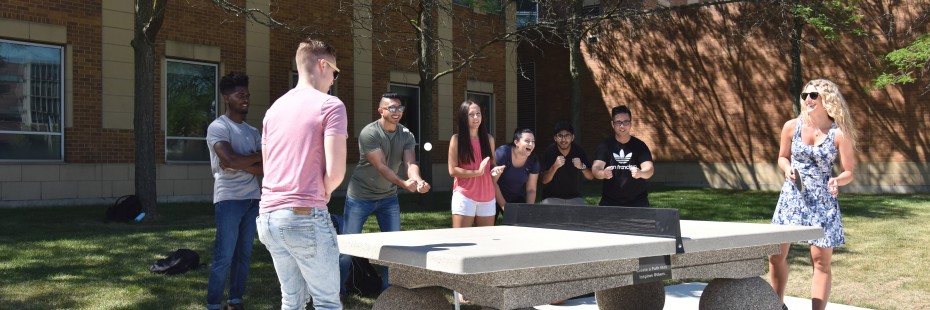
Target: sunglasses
395, 109
813, 95
335, 69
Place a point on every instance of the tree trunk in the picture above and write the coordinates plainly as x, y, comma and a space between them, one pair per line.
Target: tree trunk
796, 78
148, 19
426, 48
576, 63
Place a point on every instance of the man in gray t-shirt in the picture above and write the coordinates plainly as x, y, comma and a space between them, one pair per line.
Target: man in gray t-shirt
236, 161
384, 145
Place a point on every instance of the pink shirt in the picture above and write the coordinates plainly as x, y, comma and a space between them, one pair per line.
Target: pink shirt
292, 138
480, 189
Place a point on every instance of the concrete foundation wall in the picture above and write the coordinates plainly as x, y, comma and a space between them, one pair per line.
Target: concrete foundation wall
904, 177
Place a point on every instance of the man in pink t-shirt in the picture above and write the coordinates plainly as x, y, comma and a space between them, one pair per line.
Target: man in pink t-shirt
304, 149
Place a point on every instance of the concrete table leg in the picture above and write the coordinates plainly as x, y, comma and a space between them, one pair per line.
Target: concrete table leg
749, 293
646, 296
399, 298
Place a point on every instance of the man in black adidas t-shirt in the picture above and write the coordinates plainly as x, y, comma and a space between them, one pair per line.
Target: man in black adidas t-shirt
624, 163
562, 162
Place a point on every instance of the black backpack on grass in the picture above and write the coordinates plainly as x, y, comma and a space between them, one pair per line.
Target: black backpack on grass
178, 262
363, 279
125, 209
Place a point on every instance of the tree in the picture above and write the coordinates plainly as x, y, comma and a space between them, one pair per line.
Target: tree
830, 18
149, 15
422, 20
569, 22
907, 64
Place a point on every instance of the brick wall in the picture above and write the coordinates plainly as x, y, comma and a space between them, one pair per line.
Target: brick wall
704, 93
98, 163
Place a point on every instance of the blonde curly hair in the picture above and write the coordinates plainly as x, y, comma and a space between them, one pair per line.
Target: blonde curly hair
836, 108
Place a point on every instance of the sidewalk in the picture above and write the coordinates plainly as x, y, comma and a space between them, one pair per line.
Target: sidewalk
687, 296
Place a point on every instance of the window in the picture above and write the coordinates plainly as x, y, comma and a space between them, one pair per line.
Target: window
527, 13
191, 106
31, 102
410, 97
486, 101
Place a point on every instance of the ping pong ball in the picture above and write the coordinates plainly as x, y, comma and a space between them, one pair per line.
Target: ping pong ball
427, 146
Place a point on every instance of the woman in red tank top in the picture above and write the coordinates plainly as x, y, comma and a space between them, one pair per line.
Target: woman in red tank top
471, 158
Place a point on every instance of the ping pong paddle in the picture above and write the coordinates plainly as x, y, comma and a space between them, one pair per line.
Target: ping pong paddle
797, 180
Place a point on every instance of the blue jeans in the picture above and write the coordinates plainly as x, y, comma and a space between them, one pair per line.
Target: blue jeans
306, 257
386, 211
232, 249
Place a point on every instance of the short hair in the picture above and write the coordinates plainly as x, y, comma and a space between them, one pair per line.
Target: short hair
393, 96
620, 109
313, 47
563, 125
230, 81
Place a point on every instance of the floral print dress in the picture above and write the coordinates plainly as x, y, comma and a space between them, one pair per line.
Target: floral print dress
815, 206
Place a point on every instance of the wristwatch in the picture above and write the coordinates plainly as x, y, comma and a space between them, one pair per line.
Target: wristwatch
584, 166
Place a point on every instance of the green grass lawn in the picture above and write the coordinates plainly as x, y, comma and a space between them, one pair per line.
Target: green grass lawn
67, 258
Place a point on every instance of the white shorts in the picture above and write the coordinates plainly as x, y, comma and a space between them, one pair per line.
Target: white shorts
462, 205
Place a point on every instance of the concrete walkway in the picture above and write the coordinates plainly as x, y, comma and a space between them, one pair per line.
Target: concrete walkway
686, 296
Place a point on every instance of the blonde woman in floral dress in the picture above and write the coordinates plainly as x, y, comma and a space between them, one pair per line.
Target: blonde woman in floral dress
810, 144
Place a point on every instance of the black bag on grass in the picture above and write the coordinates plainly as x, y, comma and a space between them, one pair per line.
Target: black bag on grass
125, 209
178, 262
363, 278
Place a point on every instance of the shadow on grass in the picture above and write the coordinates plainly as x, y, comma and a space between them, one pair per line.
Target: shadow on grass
106, 264
879, 206
48, 300
102, 264
67, 257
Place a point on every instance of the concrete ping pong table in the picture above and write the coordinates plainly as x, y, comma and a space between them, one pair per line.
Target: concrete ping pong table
510, 267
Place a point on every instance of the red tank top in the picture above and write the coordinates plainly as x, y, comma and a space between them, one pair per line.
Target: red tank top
480, 189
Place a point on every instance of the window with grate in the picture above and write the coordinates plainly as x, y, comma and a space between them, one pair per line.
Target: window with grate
526, 96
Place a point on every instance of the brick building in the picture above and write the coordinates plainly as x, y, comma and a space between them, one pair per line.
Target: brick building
66, 89
709, 101
710, 98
